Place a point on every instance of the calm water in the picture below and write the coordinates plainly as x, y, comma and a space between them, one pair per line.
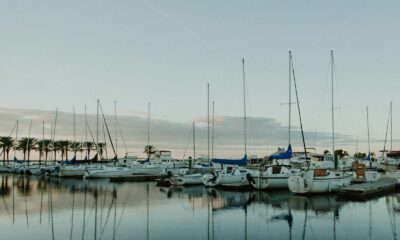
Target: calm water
37, 208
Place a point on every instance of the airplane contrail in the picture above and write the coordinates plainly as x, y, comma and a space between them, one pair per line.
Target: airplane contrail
177, 23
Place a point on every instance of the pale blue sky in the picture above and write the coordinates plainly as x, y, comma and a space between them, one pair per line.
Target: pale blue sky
65, 53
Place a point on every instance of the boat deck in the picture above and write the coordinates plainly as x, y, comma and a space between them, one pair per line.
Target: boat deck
364, 191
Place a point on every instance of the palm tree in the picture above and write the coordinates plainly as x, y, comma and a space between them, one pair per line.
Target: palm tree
47, 147
26, 145
56, 146
66, 145
80, 149
75, 147
360, 155
340, 153
63, 147
149, 149
40, 148
90, 146
6, 143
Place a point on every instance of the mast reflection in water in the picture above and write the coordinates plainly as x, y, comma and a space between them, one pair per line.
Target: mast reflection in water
52, 208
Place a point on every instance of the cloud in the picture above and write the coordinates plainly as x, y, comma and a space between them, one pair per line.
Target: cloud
264, 135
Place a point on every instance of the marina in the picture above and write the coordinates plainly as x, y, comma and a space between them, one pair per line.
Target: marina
58, 208
199, 120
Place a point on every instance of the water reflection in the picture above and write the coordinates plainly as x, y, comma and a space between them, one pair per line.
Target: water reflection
52, 208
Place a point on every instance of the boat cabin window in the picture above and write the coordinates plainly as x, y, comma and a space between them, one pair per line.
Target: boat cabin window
229, 169
276, 169
320, 172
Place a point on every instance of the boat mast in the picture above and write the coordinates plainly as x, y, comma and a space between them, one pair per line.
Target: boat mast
51, 136
148, 130
73, 108
115, 126
43, 139
290, 93
386, 132
208, 122
391, 126
29, 138
54, 135
16, 140
97, 127
244, 109
212, 132
86, 134
369, 150
123, 139
333, 112
108, 133
194, 142
298, 109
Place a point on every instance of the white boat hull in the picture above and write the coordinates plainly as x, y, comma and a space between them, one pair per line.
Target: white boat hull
308, 183
238, 179
190, 179
109, 172
270, 182
273, 179
75, 171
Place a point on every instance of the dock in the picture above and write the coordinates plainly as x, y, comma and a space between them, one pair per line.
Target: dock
365, 191
135, 178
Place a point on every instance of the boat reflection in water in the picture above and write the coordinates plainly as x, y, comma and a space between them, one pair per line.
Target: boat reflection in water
51, 208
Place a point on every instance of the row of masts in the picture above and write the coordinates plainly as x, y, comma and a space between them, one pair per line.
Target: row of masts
54, 127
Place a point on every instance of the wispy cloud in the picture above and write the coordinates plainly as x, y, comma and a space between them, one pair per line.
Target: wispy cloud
175, 22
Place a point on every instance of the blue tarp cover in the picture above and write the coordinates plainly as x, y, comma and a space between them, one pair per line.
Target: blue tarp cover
283, 155
368, 157
240, 162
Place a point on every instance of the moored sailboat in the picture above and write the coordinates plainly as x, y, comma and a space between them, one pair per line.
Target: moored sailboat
276, 175
319, 180
232, 175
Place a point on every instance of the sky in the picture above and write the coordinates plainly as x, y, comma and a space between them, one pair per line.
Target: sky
60, 54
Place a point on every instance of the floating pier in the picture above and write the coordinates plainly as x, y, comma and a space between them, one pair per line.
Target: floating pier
135, 178
364, 191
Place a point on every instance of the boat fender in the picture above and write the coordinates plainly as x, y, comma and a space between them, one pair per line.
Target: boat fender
86, 174
250, 178
213, 176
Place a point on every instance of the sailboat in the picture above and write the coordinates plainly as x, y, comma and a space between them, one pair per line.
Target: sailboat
188, 176
319, 180
79, 170
370, 175
109, 171
233, 174
389, 157
276, 176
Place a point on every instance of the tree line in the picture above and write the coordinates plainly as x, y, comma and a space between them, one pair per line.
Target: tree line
47, 148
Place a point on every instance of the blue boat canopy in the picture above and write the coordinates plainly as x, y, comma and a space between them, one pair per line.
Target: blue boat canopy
18, 161
368, 157
70, 162
144, 161
240, 162
283, 155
